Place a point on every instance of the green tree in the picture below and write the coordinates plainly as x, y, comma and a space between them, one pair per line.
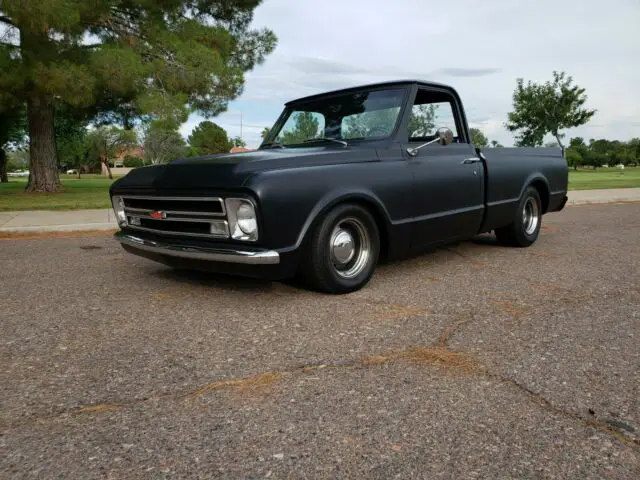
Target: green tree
381, 122
106, 143
577, 153
573, 157
127, 57
496, 144
12, 135
599, 152
238, 142
265, 132
162, 142
634, 150
132, 161
306, 126
421, 121
478, 138
70, 131
209, 139
549, 108
17, 160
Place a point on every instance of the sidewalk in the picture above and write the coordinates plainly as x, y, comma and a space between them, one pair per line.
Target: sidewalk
104, 219
57, 220
610, 195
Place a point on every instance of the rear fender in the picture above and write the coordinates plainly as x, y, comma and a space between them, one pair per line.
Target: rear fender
537, 178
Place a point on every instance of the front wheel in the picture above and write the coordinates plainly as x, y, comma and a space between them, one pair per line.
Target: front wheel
525, 228
343, 250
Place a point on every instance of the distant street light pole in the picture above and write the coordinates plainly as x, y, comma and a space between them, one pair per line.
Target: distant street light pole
241, 122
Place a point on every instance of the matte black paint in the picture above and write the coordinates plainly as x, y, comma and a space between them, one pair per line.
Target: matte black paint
420, 201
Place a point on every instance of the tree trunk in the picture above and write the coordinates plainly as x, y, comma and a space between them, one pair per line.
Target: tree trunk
43, 165
4, 178
559, 143
106, 164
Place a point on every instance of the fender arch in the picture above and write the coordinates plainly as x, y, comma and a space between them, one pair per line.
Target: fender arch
363, 197
538, 181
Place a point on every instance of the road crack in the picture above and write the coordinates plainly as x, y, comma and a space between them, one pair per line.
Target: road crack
439, 355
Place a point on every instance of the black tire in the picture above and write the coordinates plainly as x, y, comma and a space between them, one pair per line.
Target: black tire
525, 228
320, 266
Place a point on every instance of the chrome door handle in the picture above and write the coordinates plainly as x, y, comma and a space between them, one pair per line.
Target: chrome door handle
467, 161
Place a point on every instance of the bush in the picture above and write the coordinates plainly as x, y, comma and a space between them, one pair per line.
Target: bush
131, 161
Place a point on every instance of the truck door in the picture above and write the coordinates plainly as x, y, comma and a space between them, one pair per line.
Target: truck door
448, 188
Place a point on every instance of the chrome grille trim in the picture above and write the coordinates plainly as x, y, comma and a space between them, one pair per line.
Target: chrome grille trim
147, 215
197, 220
174, 212
181, 234
222, 213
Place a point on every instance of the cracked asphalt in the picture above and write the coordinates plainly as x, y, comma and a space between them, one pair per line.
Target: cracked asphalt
473, 361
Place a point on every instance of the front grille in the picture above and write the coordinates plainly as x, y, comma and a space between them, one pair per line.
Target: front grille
190, 216
210, 206
169, 226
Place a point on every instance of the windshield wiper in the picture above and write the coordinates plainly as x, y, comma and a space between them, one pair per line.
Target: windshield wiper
328, 139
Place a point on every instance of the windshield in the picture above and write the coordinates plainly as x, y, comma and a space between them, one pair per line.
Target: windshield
351, 116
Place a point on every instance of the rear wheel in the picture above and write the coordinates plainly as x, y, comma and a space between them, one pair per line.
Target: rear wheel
343, 250
525, 228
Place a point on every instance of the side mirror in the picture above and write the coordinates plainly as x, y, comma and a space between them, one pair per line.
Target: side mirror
444, 136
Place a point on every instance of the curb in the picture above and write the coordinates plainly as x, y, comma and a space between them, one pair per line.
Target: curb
603, 202
62, 228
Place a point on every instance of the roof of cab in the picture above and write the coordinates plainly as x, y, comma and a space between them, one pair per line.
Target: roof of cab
391, 83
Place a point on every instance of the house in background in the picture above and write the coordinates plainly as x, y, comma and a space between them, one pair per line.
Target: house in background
240, 149
117, 165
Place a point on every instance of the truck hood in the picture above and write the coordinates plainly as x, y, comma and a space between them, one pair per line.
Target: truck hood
230, 170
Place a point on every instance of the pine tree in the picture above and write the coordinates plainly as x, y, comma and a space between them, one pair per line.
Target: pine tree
124, 57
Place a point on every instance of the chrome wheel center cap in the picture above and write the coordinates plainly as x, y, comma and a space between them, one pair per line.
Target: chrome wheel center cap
342, 247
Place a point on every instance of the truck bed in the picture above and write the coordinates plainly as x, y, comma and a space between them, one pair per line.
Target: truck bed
509, 170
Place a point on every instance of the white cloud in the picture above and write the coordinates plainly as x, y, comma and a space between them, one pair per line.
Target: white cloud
480, 48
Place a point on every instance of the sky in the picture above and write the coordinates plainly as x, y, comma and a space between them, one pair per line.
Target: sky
478, 47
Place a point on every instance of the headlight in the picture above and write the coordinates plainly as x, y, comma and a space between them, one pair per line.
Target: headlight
118, 208
243, 223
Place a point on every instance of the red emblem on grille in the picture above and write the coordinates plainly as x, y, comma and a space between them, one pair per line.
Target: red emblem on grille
158, 215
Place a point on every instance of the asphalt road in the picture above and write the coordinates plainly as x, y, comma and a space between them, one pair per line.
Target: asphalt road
475, 361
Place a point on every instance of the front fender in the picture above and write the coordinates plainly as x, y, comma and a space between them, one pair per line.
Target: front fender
291, 200
343, 195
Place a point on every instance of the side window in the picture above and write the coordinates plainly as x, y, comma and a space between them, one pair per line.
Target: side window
430, 111
301, 126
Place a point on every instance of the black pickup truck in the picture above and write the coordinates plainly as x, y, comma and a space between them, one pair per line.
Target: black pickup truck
343, 180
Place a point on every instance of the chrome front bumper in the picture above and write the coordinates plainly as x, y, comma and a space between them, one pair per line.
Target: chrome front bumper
231, 255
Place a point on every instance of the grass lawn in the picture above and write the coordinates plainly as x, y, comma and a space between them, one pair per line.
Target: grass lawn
589, 179
92, 190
